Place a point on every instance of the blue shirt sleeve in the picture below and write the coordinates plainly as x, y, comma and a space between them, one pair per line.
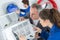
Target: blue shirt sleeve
44, 34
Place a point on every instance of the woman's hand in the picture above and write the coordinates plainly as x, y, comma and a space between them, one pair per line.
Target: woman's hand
22, 38
37, 29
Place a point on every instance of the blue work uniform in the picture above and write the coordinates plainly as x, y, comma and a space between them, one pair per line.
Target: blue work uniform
54, 33
26, 11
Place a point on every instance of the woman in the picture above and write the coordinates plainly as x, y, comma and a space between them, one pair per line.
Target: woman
50, 18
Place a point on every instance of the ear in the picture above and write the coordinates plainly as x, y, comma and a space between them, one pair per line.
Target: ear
46, 21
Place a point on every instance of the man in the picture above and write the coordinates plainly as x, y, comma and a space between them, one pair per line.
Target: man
34, 14
26, 11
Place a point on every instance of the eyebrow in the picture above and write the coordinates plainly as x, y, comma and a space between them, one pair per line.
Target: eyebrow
33, 13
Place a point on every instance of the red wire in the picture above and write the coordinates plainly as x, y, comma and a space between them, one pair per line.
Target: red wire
53, 4
39, 1
51, 1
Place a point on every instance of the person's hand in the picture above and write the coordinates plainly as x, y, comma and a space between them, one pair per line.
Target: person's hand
22, 37
17, 11
37, 29
36, 35
21, 19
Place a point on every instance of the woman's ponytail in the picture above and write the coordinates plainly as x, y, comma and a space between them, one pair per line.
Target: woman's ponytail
56, 16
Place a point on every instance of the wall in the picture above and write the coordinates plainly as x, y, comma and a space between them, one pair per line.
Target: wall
58, 4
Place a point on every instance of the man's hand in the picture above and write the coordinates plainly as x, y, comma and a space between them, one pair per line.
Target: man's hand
37, 29
22, 38
36, 35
